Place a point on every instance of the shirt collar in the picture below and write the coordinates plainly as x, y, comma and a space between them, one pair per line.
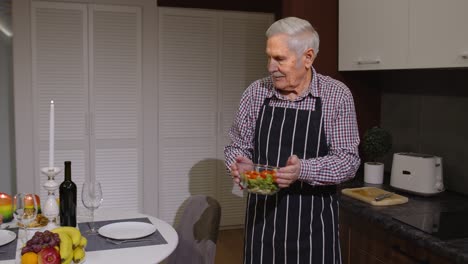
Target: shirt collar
313, 89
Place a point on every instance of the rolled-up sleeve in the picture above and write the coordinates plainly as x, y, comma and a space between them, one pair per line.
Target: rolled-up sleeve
342, 160
242, 130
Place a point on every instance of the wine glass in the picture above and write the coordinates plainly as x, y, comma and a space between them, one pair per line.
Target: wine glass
91, 195
24, 210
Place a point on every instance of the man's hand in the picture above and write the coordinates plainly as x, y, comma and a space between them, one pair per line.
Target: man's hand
235, 169
289, 173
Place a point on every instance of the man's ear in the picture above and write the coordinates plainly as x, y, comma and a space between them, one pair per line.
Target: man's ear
309, 58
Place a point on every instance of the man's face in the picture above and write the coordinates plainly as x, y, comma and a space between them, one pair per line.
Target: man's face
288, 71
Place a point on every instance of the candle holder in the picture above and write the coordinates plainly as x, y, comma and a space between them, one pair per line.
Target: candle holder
50, 209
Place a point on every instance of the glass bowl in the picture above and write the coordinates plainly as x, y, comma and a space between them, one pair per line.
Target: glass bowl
258, 179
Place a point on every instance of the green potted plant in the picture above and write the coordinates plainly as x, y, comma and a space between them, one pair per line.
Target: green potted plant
375, 144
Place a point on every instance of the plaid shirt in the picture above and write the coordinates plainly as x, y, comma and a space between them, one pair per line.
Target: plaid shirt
339, 117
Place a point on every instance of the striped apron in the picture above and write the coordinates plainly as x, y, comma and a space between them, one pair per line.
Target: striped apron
299, 224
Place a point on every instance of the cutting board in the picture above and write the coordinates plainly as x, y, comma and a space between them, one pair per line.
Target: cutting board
368, 194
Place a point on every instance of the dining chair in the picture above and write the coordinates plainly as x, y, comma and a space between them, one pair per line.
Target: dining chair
198, 231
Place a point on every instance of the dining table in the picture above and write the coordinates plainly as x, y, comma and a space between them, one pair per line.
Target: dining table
153, 248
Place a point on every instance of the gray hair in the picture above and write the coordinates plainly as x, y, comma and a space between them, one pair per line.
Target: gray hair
302, 35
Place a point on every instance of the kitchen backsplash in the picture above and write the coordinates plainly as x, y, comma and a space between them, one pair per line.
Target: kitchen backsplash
431, 124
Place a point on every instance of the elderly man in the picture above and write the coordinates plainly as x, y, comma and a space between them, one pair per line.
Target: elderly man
305, 123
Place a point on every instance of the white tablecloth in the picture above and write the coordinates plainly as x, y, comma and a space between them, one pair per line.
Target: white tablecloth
134, 255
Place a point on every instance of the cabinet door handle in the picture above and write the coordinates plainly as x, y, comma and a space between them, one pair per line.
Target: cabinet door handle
92, 125
409, 257
464, 55
219, 122
367, 61
86, 124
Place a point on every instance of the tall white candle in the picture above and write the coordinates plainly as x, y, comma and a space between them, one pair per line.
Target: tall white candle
51, 135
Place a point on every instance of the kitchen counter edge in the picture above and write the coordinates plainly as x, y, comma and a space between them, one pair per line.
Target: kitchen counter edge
455, 250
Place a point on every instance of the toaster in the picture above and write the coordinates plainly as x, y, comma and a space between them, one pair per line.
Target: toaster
417, 173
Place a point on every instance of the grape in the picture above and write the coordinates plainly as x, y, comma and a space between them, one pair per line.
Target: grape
41, 240
36, 248
35, 240
25, 250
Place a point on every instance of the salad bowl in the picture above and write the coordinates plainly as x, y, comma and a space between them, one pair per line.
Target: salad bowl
258, 179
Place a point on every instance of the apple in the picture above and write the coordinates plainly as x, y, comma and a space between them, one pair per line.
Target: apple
29, 202
48, 255
6, 209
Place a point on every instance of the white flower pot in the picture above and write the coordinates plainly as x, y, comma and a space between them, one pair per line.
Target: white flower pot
373, 172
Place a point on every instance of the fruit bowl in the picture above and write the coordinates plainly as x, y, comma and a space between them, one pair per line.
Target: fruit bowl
258, 179
61, 245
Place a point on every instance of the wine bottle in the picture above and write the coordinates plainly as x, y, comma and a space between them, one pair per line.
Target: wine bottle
68, 199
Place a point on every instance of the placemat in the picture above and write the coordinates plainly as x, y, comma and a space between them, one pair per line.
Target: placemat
10, 248
98, 242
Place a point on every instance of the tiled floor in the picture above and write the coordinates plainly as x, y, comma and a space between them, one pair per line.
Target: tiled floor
229, 246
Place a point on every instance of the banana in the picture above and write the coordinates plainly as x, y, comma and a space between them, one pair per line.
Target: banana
66, 246
83, 242
72, 232
78, 254
69, 259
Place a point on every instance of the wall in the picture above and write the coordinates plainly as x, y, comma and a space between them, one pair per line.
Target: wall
7, 183
323, 15
427, 112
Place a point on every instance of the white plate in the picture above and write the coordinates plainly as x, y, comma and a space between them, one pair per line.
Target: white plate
6, 236
127, 230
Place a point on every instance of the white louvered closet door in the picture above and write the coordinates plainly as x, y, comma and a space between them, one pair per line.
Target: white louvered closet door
87, 58
115, 112
206, 60
242, 61
59, 67
187, 108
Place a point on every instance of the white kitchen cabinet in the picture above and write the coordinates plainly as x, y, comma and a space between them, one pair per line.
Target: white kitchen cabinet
438, 36
88, 59
402, 34
373, 34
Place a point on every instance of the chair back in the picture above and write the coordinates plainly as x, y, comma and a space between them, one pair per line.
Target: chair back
198, 231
